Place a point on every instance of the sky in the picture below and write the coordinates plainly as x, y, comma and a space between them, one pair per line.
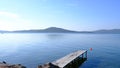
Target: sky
79, 15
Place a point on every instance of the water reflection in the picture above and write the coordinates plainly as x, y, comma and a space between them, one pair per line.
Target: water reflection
54, 35
77, 63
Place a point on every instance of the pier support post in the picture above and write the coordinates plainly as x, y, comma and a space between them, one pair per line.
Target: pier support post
82, 55
86, 54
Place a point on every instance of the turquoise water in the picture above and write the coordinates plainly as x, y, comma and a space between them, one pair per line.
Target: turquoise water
34, 49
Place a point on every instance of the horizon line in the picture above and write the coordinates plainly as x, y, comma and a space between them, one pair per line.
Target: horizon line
57, 27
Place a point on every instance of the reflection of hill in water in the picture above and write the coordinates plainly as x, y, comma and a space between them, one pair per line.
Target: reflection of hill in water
54, 36
77, 63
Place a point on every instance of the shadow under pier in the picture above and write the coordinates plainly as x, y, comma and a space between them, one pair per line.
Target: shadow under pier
76, 63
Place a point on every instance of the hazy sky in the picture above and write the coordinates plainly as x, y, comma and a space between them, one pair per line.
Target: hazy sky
70, 14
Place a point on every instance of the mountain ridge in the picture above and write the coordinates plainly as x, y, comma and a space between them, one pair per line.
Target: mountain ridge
61, 30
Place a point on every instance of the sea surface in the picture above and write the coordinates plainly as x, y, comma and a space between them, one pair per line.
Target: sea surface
34, 49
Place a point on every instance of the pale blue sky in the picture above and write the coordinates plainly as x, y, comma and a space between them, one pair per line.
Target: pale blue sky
69, 14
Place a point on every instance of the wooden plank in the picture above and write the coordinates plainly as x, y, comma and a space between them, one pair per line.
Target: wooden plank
67, 59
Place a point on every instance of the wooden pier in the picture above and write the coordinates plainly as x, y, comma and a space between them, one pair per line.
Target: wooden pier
61, 63
64, 62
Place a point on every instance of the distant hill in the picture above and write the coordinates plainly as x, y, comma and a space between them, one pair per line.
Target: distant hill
112, 31
61, 30
48, 30
2, 31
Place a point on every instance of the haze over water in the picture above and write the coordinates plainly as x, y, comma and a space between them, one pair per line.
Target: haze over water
39, 48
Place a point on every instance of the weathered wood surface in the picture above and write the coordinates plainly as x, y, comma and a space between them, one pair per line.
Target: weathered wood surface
67, 59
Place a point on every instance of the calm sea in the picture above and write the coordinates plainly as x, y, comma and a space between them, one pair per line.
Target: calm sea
34, 49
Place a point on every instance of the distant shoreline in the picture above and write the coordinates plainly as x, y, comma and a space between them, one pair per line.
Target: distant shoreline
61, 30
